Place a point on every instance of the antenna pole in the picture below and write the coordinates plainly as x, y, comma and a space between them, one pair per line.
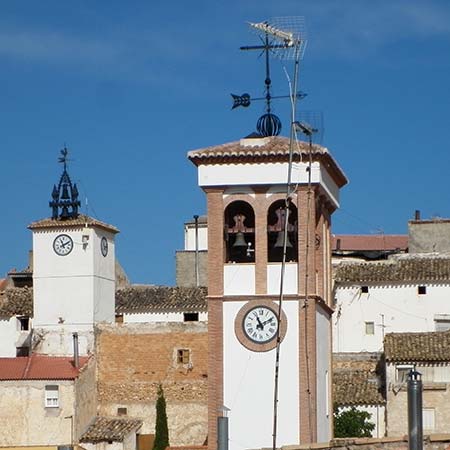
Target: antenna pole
283, 263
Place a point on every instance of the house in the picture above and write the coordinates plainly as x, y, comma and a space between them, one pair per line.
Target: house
45, 400
359, 381
429, 354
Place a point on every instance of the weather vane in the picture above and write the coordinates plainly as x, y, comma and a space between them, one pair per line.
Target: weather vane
282, 38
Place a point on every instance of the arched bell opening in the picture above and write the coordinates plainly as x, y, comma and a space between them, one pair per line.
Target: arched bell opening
276, 218
239, 232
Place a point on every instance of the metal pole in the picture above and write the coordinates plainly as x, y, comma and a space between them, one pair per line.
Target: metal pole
222, 433
415, 426
197, 277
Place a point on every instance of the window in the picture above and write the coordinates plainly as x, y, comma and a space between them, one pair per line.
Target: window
402, 372
364, 289
370, 328
428, 419
190, 317
23, 323
183, 356
119, 318
442, 322
51, 396
22, 351
421, 290
122, 411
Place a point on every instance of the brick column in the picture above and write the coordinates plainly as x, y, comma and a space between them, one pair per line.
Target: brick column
306, 204
261, 242
215, 310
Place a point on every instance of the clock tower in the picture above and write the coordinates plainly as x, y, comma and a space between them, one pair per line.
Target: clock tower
257, 236
73, 273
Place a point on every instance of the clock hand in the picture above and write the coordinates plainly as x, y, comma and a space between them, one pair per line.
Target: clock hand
260, 325
267, 321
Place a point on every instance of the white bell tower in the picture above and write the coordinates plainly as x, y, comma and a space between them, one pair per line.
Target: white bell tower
73, 273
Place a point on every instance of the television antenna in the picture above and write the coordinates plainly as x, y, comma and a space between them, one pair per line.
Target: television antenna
285, 38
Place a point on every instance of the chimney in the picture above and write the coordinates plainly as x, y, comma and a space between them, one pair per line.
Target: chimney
417, 215
76, 357
338, 244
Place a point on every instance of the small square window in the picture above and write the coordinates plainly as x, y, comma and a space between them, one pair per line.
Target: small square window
122, 411
370, 328
428, 418
364, 289
183, 356
51, 396
22, 351
23, 323
402, 373
119, 318
421, 290
190, 317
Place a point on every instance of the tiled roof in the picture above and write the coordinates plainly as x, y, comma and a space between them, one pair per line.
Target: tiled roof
80, 221
406, 269
356, 380
160, 299
417, 347
370, 242
16, 302
110, 429
268, 149
39, 367
3, 284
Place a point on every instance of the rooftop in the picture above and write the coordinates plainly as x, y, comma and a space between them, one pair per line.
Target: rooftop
81, 221
267, 149
40, 367
370, 242
110, 429
427, 347
16, 302
160, 299
410, 268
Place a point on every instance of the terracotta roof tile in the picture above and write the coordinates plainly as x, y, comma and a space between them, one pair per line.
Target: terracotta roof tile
358, 379
110, 429
16, 302
408, 269
80, 221
370, 242
268, 149
417, 347
160, 299
39, 367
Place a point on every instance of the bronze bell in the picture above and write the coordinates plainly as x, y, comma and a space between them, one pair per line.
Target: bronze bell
280, 240
65, 193
240, 241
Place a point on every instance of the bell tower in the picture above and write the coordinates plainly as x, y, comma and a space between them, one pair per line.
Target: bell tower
251, 213
73, 273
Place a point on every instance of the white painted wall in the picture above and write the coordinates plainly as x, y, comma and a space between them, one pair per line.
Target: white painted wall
152, 317
11, 336
249, 383
239, 279
72, 292
290, 278
404, 310
266, 173
189, 236
324, 408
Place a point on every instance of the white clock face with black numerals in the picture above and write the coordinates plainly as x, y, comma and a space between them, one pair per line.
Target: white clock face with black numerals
260, 324
63, 244
104, 246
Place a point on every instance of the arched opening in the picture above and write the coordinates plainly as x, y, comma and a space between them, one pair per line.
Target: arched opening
240, 232
276, 218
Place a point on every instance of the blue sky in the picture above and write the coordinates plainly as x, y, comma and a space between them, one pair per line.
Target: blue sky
130, 87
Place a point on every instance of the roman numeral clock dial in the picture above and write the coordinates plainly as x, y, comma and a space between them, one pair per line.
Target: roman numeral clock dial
256, 325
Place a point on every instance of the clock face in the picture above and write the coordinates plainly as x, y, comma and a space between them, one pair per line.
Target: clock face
104, 246
63, 245
257, 325
260, 324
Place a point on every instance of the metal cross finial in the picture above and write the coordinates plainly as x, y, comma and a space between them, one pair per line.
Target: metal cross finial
64, 158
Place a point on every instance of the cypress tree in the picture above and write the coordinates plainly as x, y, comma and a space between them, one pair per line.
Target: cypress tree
161, 428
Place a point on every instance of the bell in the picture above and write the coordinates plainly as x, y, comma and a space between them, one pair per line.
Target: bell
65, 193
280, 240
240, 241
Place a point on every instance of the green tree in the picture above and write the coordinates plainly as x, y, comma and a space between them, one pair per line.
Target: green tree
352, 423
161, 428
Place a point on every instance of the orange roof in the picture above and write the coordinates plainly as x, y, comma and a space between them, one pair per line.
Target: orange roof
370, 242
3, 284
81, 221
40, 367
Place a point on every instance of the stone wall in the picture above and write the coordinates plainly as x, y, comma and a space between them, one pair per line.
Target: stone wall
133, 359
